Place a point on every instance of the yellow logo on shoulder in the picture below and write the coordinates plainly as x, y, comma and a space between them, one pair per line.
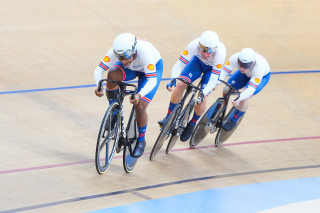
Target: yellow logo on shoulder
150, 67
219, 66
228, 63
185, 52
257, 80
106, 59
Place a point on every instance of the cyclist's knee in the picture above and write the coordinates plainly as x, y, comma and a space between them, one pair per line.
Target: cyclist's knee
181, 86
200, 108
225, 90
244, 105
141, 107
115, 74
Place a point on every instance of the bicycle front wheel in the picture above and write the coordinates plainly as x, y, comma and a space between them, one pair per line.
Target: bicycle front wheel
207, 123
108, 138
165, 131
182, 124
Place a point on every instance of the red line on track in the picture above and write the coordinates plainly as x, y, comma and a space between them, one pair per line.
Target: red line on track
147, 153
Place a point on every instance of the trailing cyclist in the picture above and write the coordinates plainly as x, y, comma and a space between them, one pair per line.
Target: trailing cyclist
203, 56
129, 58
252, 74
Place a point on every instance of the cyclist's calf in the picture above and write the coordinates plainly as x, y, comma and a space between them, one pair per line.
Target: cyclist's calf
225, 90
201, 107
141, 113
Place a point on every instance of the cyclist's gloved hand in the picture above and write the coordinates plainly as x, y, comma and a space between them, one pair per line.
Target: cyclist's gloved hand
173, 85
99, 92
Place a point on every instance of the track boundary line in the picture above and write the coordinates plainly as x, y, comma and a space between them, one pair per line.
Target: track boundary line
148, 153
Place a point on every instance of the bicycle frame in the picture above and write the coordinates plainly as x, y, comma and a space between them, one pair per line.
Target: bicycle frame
225, 102
122, 93
191, 89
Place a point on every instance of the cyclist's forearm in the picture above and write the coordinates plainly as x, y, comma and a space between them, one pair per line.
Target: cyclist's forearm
176, 69
211, 84
247, 93
151, 83
98, 74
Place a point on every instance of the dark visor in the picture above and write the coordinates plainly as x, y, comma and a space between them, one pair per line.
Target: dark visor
245, 65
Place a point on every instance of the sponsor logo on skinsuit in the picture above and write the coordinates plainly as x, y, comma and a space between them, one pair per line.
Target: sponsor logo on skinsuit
150, 67
106, 59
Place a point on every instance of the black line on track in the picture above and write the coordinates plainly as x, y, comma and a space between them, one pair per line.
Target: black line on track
136, 190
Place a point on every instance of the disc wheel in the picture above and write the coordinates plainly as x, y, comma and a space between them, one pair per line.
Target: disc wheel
129, 162
222, 134
165, 131
207, 123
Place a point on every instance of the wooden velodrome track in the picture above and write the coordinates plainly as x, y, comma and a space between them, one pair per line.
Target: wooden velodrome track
48, 137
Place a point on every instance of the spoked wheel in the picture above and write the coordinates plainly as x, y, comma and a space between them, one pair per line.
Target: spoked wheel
222, 134
107, 139
182, 124
165, 131
207, 123
129, 162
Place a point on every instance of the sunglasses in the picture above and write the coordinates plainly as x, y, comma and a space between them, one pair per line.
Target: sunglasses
206, 49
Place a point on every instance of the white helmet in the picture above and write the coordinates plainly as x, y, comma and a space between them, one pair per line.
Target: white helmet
209, 41
124, 46
247, 57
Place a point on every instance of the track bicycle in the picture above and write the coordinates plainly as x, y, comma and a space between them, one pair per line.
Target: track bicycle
178, 119
113, 135
214, 118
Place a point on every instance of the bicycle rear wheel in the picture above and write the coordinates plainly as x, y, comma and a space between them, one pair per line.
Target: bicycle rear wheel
207, 123
182, 125
165, 131
130, 162
222, 134
172, 142
107, 139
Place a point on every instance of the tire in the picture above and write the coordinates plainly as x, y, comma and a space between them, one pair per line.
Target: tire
107, 139
222, 134
205, 125
183, 122
165, 131
130, 162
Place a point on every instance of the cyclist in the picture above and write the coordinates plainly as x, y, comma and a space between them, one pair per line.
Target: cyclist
203, 56
131, 57
252, 74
